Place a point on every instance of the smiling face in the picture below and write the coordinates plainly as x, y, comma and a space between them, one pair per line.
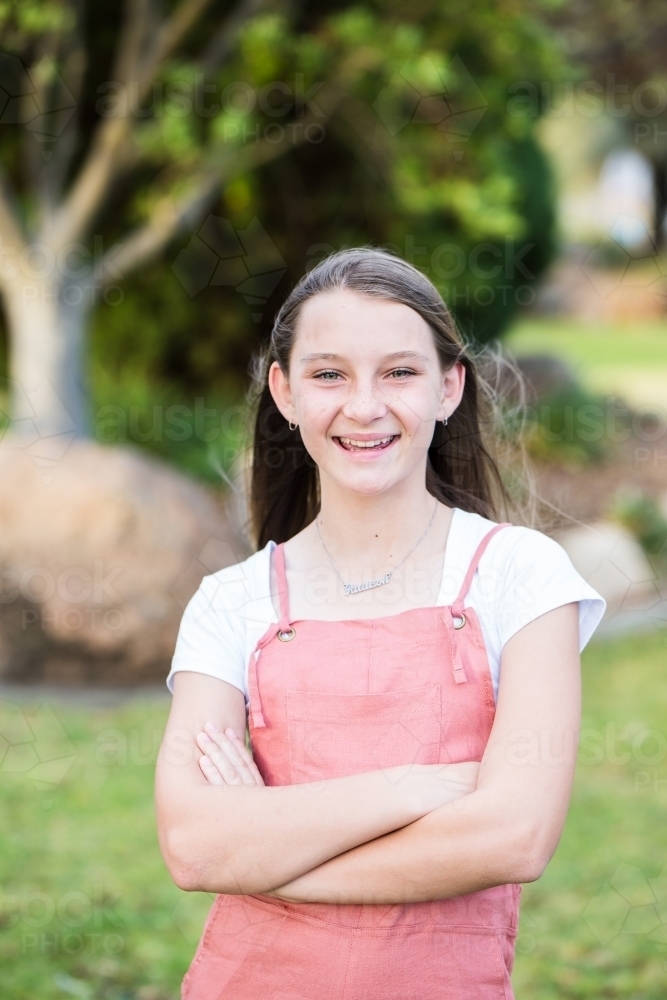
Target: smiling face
365, 387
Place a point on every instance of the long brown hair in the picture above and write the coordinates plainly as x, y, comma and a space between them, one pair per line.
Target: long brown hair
461, 470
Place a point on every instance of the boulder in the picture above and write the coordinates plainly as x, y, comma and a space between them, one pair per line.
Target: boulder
100, 551
612, 561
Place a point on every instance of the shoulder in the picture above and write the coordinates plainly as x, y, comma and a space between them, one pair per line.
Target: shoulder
513, 545
226, 607
527, 574
238, 586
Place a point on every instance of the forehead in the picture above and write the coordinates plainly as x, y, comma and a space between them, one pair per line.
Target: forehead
348, 322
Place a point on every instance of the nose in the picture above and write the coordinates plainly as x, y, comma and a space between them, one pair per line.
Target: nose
364, 403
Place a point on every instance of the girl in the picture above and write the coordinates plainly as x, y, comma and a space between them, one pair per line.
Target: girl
397, 793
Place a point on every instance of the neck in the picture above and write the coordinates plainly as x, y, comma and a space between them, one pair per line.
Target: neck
372, 529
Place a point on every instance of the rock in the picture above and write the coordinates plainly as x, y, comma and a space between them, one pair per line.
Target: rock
612, 561
100, 551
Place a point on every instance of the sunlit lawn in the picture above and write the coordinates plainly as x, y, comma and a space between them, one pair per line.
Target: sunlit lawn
628, 359
88, 908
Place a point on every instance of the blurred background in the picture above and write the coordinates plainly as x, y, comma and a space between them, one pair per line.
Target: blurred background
169, 171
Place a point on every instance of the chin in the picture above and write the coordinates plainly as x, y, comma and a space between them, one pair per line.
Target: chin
368, 486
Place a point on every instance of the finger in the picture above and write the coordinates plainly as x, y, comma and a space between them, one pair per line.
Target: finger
210, 771
239, 762
245, 755
224, 766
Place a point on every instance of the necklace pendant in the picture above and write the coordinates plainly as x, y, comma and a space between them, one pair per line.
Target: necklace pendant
357, 588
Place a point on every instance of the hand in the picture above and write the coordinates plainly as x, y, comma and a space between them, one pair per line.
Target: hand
436, 785
225, 759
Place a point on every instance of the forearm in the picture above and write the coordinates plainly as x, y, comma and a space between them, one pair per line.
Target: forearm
248, 840
462, 847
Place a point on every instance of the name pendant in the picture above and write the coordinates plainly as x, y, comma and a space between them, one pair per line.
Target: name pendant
356, 588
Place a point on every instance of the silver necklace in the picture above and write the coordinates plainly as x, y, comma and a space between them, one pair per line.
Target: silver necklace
357, 588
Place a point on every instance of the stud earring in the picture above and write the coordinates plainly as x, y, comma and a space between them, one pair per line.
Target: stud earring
292, 426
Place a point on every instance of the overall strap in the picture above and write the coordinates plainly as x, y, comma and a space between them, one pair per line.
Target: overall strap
281, 628
457, 620
457, 606
281, 578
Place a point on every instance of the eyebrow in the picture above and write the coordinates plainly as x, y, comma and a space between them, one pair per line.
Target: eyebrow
396, 356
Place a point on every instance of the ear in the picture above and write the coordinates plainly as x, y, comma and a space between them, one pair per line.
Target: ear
279, 388
453, 383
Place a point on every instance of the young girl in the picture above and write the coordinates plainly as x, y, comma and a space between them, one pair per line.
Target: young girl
409, 668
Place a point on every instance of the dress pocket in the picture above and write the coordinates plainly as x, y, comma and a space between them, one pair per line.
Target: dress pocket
333, 735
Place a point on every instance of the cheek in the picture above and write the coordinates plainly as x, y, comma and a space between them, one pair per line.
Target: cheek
416, 410
316, 412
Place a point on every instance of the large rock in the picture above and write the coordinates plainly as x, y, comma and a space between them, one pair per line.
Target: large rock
99, 554
613, 562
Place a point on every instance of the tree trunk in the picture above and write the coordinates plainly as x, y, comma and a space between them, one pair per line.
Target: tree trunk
660, 200
46, 334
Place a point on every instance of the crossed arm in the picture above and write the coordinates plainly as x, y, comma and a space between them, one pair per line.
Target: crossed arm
429, 832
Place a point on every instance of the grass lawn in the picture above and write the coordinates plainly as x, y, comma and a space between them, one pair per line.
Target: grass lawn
625, 359
88, 909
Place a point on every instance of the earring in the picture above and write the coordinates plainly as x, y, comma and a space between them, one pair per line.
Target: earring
444, 422
292, 426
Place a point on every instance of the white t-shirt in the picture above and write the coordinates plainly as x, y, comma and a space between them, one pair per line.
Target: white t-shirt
522, 574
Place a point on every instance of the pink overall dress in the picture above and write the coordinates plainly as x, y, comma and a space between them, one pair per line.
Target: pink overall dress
333, 698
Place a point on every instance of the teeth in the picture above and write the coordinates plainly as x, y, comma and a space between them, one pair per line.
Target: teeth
352, 443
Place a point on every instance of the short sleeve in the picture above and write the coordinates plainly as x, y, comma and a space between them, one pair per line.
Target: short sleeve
211, 635
541, 577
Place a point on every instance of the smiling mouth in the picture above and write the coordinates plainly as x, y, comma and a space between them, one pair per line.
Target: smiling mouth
376, 444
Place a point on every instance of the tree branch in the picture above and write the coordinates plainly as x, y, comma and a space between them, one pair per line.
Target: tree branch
173, 32
172, 216
146, 243
132, 41
71, 86
109, 145
109, 148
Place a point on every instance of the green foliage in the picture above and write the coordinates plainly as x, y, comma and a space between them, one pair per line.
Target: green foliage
570, 426
423, 153
644, 517
202, 435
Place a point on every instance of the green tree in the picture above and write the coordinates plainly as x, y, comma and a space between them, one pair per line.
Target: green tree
121, 133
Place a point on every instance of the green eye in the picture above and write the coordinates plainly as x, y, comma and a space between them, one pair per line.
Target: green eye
327, 376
